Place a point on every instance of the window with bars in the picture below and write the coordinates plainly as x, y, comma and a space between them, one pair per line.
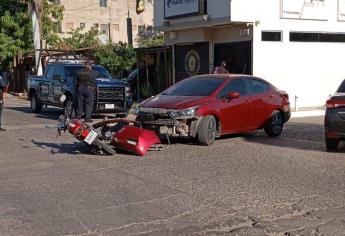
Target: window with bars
103, 3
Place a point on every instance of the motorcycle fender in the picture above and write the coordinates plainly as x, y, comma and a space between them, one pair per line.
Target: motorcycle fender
135, 139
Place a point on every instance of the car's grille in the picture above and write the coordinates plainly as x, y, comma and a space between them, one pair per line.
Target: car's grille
110, 94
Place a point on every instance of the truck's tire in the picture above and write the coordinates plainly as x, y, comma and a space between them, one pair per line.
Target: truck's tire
207, 131
104, 146
331, 144
35, 104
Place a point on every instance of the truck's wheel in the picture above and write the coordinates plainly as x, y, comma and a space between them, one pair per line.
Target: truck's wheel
35, 103
207, 130
331, 144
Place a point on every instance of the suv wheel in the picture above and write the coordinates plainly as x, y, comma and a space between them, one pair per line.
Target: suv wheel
275, 124
332, 144
207, 130
35, 103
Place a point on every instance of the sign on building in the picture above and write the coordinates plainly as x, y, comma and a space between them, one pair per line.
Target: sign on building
304, 9
177, 8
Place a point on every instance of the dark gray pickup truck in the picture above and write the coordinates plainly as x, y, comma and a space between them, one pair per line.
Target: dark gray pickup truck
111, 95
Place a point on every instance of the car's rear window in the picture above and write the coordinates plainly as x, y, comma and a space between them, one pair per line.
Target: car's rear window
341, 89
73, 70
195, 86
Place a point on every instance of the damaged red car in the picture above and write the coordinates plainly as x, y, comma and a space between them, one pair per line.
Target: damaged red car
208, 106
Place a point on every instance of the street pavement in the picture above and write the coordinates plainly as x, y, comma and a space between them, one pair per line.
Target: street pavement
246, 184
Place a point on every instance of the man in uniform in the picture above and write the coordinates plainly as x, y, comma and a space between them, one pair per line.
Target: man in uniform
2, 89
86, 85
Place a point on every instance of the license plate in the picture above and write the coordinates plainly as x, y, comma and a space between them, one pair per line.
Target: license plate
109, 106
91, 137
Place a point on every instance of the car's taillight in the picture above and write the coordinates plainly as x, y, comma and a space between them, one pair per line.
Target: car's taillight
330, 104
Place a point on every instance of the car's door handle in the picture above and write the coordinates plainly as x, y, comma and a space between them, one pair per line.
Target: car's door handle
271, 96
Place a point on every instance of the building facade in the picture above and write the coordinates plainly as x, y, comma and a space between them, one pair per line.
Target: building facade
296, 45
108, 16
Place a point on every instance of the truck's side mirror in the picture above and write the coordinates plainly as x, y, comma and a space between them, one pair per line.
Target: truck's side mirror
58, 78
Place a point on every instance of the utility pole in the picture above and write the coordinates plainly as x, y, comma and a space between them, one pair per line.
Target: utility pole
109, 24
36, 8
129, 27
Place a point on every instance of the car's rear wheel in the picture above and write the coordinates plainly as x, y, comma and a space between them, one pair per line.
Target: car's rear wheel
207, 130
275, 124
35, 104
332, 144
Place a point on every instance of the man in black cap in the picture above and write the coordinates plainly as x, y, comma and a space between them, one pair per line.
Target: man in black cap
221, 69
86, 85
2, 88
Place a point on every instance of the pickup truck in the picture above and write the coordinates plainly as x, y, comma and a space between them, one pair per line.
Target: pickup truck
111, 95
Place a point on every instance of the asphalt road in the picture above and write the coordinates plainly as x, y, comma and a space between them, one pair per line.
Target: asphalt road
242, 185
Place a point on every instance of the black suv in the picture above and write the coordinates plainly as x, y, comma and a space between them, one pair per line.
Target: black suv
335, 119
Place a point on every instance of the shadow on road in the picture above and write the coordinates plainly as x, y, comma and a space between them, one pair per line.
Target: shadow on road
295, 135
63, 148
47, 113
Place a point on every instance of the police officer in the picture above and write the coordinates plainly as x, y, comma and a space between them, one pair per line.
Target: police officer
86, 85
2, 88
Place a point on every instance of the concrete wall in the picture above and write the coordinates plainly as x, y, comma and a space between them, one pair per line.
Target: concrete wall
116, 12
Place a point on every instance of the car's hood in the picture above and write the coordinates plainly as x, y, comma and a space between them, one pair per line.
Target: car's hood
110, 82
172, 102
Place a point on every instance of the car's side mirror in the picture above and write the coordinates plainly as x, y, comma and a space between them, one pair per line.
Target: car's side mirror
233, 95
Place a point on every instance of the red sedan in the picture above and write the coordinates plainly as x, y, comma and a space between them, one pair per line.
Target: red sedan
208, 106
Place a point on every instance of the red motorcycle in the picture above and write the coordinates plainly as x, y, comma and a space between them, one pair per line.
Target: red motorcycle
85, 133
122, 134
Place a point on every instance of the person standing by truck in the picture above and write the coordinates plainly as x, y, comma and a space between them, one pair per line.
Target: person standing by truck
86, 85
2, 89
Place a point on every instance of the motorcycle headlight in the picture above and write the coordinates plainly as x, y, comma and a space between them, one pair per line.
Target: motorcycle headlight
183, 114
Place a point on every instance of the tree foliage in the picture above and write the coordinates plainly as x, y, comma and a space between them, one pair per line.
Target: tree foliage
51, 20
81, 40
116, 57
15, 34
150, 38
16, 27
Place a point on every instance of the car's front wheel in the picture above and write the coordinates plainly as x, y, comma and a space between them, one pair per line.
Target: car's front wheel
207, 130
331, 144
275, 124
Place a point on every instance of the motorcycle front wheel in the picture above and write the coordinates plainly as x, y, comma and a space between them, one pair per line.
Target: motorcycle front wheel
104, 146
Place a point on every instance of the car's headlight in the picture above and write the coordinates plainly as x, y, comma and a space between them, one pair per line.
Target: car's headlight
128, 91
183, 114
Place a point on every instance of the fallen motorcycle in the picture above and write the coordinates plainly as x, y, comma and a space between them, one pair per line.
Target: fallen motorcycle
83, 132
106, 135
127, 135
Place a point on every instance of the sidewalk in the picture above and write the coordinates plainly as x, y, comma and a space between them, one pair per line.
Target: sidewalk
296, 114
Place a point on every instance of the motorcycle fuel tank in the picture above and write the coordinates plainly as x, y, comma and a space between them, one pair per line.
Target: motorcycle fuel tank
135, 139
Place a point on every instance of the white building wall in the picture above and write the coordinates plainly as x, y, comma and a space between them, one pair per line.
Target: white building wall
310, 71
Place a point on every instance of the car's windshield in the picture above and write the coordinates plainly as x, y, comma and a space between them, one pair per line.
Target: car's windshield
341, 89
195, 86
102, 72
